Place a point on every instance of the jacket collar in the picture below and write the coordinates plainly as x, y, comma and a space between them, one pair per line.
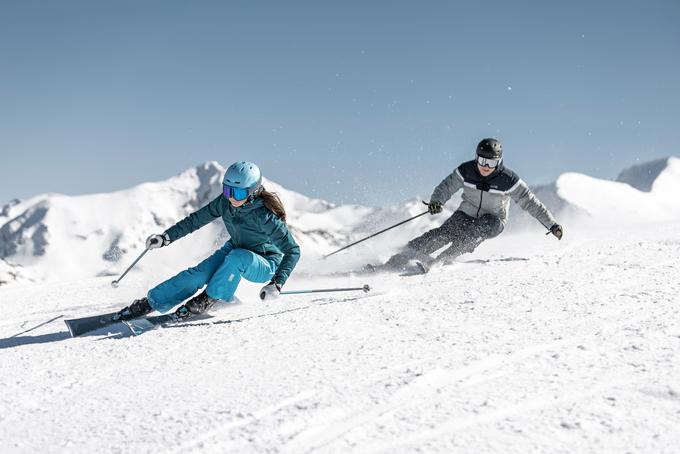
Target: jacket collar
250, 206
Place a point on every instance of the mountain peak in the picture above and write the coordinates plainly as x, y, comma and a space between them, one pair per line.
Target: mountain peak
642, 176
4, 211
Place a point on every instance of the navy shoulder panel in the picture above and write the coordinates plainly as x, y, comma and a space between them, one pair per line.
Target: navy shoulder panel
505, 180
468, 170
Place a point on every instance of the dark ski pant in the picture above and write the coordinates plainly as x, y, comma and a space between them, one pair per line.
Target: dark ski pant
221, 272
464, 233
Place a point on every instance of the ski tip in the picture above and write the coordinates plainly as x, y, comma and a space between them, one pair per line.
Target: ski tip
70, 328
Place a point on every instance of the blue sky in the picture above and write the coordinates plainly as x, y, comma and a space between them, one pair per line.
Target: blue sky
370, 102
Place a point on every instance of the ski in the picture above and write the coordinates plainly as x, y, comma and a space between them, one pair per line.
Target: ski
415, 268
79, 326
139, 326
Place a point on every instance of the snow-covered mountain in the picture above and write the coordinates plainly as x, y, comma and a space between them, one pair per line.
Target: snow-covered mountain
624, 201
643, 193
55, 237
643, 176
11, 273
59, 237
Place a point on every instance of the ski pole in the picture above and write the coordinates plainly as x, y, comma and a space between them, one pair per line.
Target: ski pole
366, 288
115, 282
377, 233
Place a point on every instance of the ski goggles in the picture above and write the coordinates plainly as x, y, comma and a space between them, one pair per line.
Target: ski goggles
236, 193
491, 163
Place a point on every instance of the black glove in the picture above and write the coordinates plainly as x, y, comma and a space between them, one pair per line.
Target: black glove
157, 240
270, 291
434, 207
557, 231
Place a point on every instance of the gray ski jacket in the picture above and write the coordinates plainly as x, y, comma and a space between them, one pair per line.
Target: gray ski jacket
492, 194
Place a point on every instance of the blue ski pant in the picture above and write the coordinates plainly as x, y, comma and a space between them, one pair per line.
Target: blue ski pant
221, 272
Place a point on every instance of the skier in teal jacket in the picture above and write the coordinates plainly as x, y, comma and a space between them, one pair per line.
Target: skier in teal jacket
261, 249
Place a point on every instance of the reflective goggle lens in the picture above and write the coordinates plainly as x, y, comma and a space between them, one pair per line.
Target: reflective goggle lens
235, 193
491, 163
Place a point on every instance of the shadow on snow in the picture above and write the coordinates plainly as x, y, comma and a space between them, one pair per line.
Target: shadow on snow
115, 331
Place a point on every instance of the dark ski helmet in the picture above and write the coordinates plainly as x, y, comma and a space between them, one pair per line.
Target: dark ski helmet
490, 149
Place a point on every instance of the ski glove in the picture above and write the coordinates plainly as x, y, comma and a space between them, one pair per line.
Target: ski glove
270, 291
557, 231
434, 207
157, 240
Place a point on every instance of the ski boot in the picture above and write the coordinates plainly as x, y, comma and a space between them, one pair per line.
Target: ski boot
369, 268
409, 261
398, 262
137, 309
395, 263
423, 266
196, 305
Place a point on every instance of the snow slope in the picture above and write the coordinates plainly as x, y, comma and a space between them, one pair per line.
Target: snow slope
527, 345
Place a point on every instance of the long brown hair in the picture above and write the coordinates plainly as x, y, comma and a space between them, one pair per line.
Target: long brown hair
273, 203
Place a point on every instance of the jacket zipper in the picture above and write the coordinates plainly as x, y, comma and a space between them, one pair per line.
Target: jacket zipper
236, 224
481, 197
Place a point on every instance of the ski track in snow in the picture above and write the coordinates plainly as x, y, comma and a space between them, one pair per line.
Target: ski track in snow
576, 349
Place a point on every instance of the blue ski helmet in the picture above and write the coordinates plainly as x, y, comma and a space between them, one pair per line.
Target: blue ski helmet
243, 180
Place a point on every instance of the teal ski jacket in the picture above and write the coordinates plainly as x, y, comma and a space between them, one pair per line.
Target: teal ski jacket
251, 226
